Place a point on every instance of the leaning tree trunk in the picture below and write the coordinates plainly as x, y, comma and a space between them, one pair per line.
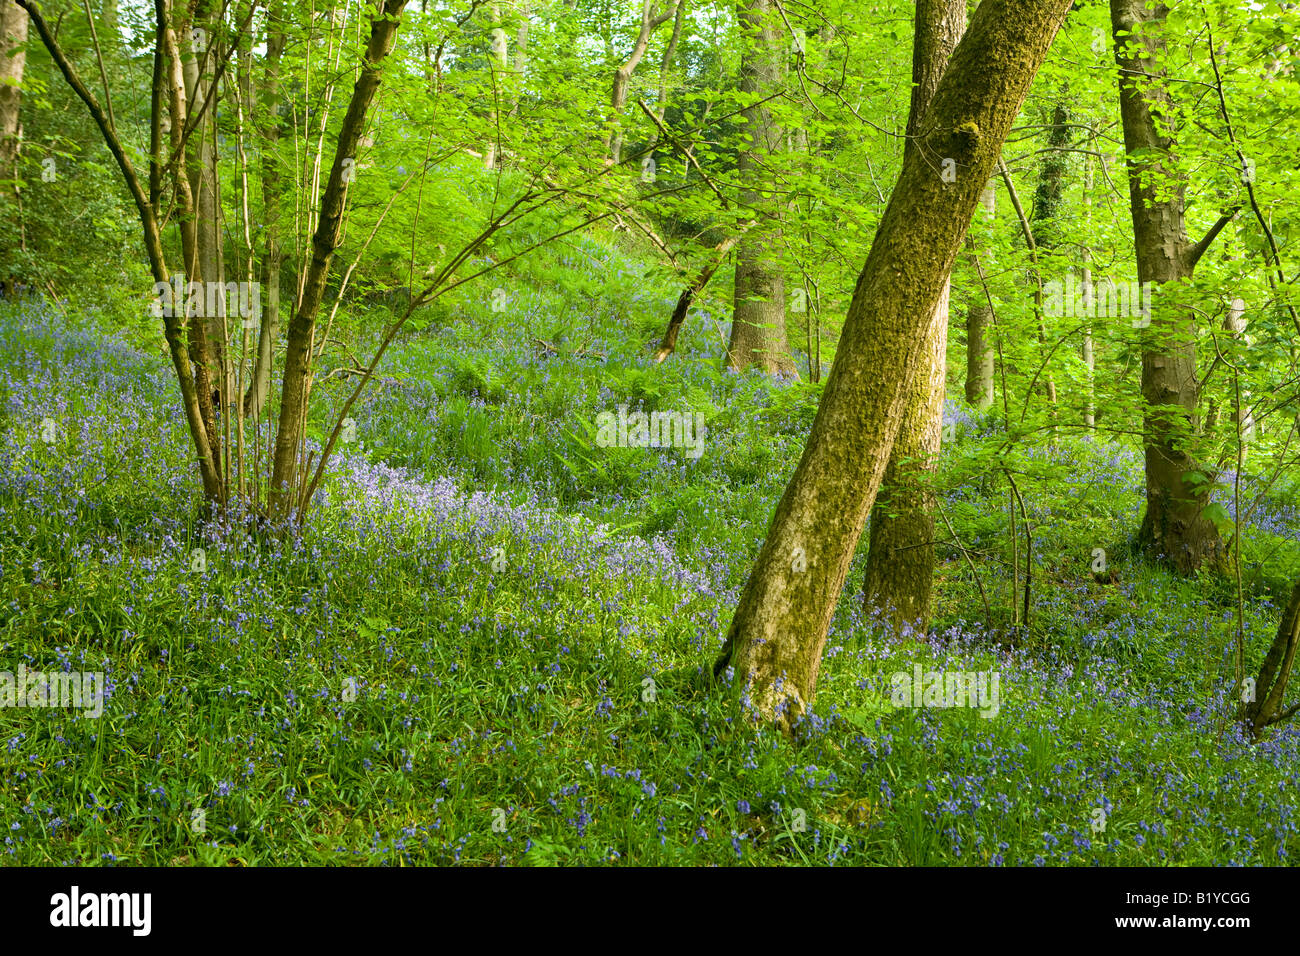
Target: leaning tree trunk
758, 313
1174, 529
776, 637
651, 20
685, 300
297, 364
1263, 700
900, 560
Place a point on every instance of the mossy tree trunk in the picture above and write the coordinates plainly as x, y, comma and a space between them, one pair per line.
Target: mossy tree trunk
779, 629
900, 562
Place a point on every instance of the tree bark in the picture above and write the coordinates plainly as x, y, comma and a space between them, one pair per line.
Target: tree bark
173, 326
1274, 672
900, 560
13, 58
684, 301
979, 324
201, 164
651, 20
1174, 529
758, 316
776, 637
272, 253
297, 368
979, 356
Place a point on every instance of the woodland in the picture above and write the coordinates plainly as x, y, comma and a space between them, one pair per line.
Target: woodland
649, 432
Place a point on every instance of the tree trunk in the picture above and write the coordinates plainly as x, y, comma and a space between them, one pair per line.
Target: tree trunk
669, 343
13, 57
297, 366
651, 20
670, 51
1086, 349
900, 559
173, 325
1174, 529
776, 637
521, 55
1265, 706
758, 315
979, 356
272, 254
497, 59
201, 163
979, 324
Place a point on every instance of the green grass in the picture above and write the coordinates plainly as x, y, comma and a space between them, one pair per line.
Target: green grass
375, 692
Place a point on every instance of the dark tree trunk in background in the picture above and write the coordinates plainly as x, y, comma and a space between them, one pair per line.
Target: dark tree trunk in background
669, 343
900, 562
1174, 529
776, 637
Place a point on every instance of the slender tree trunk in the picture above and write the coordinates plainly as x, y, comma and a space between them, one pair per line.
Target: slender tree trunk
498, 54
670, 52
758, 317
272, 253
776, 637
201, 164
651, 19
1174, 529
173, 325
684, 301
1267, 706
297, 368
1234, 323
1087, 352
521, 55
900, 559
980, 353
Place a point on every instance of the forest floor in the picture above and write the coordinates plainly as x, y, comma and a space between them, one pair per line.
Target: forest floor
488, 644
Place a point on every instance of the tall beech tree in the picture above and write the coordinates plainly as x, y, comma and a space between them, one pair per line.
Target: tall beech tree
13, 55
1174, 528
900, 562
758, 317
776, 637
